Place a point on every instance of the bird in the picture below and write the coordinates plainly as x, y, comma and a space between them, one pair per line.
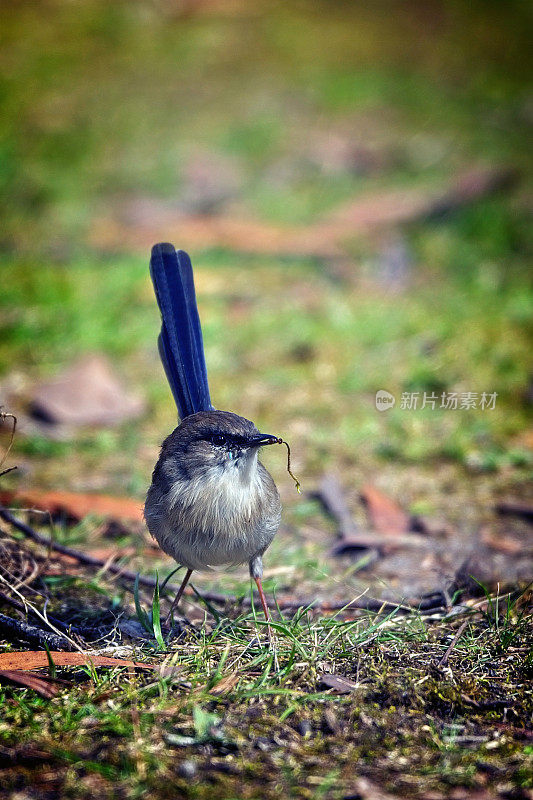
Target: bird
211, 502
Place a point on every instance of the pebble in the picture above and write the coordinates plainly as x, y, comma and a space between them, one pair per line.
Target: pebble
187, 769
304, 727
262, 743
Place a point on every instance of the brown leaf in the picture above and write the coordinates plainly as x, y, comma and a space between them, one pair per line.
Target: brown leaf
105, 554
112, 553
46, 687
338, 683
397, 206
501, 544
37, 659
386, 516
76, 505
332, 498
225, 685
88, 392
170, 670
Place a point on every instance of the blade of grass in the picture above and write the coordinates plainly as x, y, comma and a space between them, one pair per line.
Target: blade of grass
51, 666
169, 576
156, 616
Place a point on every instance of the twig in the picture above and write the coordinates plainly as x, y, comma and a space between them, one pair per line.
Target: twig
31, 633
444, 659
28, 609
515, 508
84, 558
377, 605
35, 611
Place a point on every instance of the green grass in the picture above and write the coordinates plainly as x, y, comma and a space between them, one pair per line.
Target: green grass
254, 719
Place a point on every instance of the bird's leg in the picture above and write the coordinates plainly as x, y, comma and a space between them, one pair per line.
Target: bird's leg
179, 593
264, 604
256, 571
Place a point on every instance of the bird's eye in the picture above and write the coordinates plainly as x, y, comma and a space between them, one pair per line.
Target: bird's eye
218, 439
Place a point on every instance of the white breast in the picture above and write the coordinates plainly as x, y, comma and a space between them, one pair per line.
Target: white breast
213, 520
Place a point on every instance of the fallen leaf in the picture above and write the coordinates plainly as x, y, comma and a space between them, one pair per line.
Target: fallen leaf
331, 496
87, 393
203, 231
225, 685
46, 687
385, 515
396, 206
170, 670
338, 683
76, 505
37, 659
501, 544
112, 553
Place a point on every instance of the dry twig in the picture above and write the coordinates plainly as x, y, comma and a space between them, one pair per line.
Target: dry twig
444, 659
31, 633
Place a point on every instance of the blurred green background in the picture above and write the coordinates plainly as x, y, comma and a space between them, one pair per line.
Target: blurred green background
118, 117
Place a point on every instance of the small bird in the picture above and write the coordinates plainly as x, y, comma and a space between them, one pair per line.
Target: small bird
211, 501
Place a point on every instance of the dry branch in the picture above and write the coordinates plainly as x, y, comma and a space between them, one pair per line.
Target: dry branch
18, 629
444, 659
515, 508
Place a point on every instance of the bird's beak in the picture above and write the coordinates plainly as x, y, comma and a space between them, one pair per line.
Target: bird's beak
260, 439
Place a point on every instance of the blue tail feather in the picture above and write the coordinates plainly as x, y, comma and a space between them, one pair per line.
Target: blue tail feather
180, 341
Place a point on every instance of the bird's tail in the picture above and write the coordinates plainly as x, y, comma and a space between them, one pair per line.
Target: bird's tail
180, 341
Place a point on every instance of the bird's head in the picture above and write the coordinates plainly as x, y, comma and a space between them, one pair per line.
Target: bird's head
217, 439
